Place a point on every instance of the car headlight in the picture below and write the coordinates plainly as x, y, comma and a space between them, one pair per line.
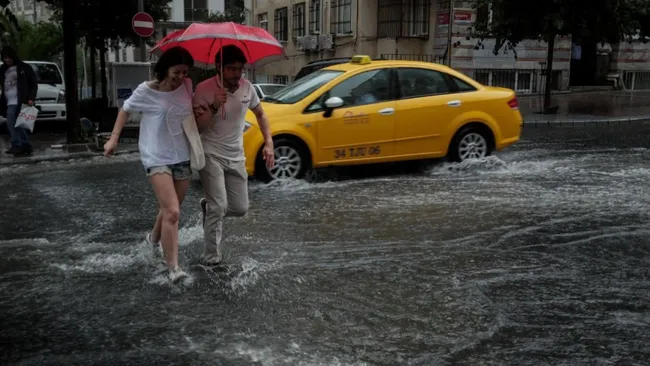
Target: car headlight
61, 98
247, 125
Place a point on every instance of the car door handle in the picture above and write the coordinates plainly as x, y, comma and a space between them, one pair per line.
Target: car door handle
454, 103
386, 111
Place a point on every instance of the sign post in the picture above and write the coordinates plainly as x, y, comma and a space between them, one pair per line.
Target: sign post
143, 25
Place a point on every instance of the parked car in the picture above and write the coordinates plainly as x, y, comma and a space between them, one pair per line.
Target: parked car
50, 98
264, 90
366, 111
319, 64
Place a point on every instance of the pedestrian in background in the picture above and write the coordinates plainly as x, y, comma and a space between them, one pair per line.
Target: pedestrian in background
164, 149
19, 86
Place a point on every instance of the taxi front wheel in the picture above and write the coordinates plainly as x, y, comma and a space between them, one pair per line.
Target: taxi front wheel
291, 161
471, 142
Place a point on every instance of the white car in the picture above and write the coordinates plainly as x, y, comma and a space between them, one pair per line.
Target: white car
50, 98
264, 90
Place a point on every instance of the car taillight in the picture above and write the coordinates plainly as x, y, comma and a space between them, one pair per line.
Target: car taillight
513, 103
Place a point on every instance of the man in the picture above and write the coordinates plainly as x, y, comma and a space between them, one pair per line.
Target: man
224, 178
18, 86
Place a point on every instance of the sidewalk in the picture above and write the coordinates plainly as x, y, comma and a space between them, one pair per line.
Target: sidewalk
46, 149
588, 107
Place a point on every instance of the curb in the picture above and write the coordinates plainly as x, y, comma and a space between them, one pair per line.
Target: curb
582, 123
73, 156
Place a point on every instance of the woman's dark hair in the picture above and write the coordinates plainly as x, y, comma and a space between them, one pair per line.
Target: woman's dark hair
172, 57
10, 52
231, 54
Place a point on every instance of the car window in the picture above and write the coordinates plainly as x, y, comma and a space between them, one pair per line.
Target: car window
415, 82
257, 91
300, 89
271, 89
462, 86
46, 73
361, 89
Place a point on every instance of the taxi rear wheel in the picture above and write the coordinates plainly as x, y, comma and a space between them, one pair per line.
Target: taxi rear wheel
474, 141
291, 161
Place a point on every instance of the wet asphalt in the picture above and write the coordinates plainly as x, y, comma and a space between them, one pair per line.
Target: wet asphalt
537, 255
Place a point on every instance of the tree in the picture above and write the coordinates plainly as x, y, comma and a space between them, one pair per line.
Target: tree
42, 41
110, 20
9, 27
514, 20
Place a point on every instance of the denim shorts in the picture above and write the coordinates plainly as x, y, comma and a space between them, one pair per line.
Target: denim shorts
179, 171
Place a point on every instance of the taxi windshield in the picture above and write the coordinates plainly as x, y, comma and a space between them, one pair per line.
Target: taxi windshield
302, 87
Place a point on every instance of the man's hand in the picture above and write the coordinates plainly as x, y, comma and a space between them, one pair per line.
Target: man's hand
30, 103
219, 99
268, 154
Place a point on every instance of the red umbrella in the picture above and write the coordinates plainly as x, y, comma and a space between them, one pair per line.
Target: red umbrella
204, 40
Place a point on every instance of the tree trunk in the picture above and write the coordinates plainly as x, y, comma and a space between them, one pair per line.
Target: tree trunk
102, 72
70, 36
93, 67
549, 73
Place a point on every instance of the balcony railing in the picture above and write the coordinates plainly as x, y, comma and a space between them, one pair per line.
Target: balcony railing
413, 57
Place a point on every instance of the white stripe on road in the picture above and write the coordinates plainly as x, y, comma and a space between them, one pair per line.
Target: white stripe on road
142, 24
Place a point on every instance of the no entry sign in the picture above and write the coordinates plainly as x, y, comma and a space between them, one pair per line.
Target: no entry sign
142, 24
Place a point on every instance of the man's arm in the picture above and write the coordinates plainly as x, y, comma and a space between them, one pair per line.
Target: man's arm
32, 83
263, 122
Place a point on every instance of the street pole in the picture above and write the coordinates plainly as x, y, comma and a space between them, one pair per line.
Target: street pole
449, 31
143, 45
70, 36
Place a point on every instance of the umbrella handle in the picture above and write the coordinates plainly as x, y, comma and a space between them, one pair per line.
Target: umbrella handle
223, 108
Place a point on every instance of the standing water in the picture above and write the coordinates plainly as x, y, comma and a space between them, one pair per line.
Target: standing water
537, 255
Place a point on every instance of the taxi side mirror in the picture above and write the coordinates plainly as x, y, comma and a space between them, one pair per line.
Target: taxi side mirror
331, 104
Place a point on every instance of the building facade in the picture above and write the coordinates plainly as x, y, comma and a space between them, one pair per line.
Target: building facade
416, 30
31, 10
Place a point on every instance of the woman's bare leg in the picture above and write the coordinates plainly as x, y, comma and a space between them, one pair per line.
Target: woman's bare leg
164, 188
181, 187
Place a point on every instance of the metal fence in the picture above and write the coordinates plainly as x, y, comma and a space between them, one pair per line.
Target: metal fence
636, 80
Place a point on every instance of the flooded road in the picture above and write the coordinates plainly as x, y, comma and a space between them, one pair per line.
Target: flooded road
538, 255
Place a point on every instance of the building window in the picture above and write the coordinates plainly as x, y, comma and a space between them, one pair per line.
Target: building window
397, 18
484, 14
314, 17
263, 21
341, 17
280, 79
298, 20
124, 54
196, 10
281, 24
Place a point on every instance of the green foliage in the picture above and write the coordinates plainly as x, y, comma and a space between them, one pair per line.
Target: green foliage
9, 27
516, 20
112, 18
42, 41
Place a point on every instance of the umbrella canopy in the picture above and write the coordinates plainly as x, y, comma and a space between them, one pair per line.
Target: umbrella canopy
204, 40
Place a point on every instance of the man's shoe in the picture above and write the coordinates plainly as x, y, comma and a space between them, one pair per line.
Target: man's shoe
212, 259
12, 151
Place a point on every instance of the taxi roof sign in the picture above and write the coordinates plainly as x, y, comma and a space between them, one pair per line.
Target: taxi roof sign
361, 59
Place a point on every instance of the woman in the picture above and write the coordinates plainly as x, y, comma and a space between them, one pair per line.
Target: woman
164, 149
19, 86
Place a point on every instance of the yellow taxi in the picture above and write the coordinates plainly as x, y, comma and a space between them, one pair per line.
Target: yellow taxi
368, 111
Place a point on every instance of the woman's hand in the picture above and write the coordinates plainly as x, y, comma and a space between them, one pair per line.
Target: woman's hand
110, 146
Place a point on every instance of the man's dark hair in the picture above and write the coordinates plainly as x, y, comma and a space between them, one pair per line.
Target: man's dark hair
231, 54
11, 52
172, 57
